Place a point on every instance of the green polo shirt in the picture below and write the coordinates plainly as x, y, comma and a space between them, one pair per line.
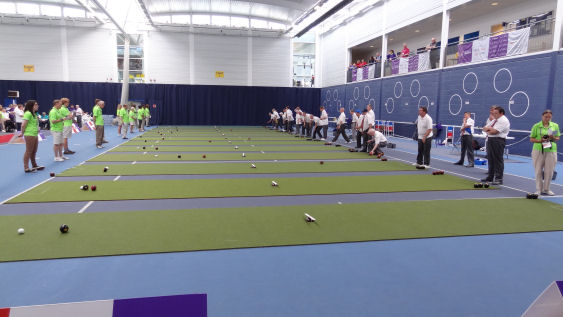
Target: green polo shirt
97, 112
31, 127
132, 115
64, 113
55, 114
140, 114
147, 113
538, 130
123, 114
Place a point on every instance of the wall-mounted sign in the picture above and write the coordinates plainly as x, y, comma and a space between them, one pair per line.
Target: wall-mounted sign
29, 68
219, 74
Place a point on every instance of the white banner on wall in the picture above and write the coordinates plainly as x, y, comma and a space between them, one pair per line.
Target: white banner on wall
518, 42
480, 49
403, 65
371, 73
424, 61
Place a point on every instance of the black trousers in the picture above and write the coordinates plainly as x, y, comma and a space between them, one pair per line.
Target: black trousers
358, 138
379, 147
309, 128
298, 128
341, 130
365, 138
325, 131
289, 126
495, 152
423, 157
467, 147
317, 131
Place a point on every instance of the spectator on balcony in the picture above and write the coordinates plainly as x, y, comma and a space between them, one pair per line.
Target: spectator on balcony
406, 51
378, 57
434, 53
391, 55
371, 60
358, 64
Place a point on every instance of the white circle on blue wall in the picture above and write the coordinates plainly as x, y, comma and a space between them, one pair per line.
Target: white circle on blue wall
495, 81
350, 105
372, 102
367, 95
339, 104
328, 95
476, 83
388, 102
356, 93
335, 94
400, 93
450, 105
511, 102
417, 89
427, 105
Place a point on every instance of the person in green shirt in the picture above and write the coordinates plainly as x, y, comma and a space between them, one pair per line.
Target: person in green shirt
99, 122
67, 124
119, 119
132, 117
544, 152
125, 116
56, 119
30, 129
141, 119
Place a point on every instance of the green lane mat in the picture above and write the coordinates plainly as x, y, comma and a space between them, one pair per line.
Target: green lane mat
236, 168
244, 187
117, 233
241, 148
150, 157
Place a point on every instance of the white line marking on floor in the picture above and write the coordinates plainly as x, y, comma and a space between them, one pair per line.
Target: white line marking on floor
116, 178
86, 206
10, 198
134, 162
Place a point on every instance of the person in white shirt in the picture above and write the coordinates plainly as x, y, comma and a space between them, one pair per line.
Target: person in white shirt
424, 126
289, 116
317, 127
298, 121
371, 116
467, 140
284, 119
276, 118
376, 142
497, 132
354, 123
323, 122
307, 124
341, 127
363, 128
78, 113
18, 113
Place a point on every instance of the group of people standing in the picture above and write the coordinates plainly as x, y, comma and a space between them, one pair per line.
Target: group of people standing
61, 120
129, 117
307, 124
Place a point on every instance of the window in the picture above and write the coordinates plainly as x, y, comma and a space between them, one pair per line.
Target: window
6, 7
471, 36
28, 8
55, 11
162, 19
74, 13
238, 22
181, 19
220, 20
136, 59
259, 24
277, 26
201, 19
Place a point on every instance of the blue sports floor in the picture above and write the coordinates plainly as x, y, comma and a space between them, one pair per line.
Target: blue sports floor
495, 275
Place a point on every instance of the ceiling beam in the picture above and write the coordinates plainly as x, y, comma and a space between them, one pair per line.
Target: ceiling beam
103, 9
184, 12
147, 14
295, 5
87, 8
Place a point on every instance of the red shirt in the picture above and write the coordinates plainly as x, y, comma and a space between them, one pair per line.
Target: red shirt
405, 52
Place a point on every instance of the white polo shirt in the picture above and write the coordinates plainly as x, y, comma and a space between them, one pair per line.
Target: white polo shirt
379, 137
307, 118
469, 122
276, 115
19, 115
354, 118
423, 124
365, 123
371, 117
317, 120
324, 118
341, 119
502, 125
289, 115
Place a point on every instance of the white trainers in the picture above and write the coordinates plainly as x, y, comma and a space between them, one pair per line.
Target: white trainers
64, 158
100, 147
549, 193
59, 159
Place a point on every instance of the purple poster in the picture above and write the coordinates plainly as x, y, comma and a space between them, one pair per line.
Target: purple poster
193, 305
354, 74
365, 69
498, 45
465, 52
413, 63
395, 66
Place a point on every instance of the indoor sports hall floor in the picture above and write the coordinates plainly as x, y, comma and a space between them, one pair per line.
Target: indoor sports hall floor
264, 259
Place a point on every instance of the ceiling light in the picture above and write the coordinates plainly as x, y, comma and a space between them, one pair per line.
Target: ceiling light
317, 7
371, 46
390, 39
494, 4
416, 31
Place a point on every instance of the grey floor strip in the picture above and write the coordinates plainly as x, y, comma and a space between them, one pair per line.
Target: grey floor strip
212, 162
290, 201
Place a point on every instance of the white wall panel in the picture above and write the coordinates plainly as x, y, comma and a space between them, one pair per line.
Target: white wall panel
102, 308
91, 54
30, 45
403, 12
167, 57
220, 53
366, 27
270, 62
334, 57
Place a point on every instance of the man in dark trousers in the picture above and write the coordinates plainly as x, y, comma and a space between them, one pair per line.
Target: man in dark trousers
497, 131
341, 127
467, 140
